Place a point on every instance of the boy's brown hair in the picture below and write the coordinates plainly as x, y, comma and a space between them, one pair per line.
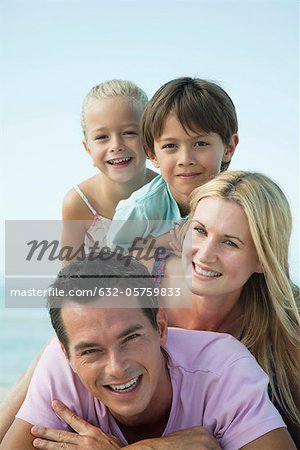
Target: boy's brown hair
197, 104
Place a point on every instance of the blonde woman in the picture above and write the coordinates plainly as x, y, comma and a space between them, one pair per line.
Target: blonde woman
235, 263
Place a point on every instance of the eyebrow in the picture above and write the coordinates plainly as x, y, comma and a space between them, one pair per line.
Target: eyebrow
125, 124
130, 330
225, 235
170, 138
84, 345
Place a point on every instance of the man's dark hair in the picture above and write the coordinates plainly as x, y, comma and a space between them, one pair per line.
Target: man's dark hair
92, 279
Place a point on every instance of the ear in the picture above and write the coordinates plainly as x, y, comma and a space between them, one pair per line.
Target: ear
153, 158
66, 355
230, 148
86, 147
162, 322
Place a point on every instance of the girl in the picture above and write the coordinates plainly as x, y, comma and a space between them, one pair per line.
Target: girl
110, 120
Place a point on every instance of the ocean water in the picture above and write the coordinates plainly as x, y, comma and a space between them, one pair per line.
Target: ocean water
23, 332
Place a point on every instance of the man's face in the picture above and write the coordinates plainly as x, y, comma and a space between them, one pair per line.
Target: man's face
117, 355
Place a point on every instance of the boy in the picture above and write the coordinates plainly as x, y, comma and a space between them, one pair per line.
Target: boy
189, 131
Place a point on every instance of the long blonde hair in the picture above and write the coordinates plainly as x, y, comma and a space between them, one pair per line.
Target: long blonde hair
270, 300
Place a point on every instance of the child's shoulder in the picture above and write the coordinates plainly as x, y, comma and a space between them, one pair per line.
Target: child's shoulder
76, 205
147, 191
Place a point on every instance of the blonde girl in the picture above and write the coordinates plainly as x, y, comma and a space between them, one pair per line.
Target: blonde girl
110, 120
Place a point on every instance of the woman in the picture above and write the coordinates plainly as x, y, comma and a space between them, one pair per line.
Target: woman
235, 264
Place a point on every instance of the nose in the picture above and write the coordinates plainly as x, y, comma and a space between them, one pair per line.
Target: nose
116, 365
116, 143
207, 251
186, 157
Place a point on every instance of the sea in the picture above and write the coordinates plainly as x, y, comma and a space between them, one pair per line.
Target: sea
23, 332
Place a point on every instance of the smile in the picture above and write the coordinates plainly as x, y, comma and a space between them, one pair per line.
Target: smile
118, 161
206, 273
126, 387
188, 175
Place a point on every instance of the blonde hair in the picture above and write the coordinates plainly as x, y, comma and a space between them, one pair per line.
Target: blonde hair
113, 88
270, 300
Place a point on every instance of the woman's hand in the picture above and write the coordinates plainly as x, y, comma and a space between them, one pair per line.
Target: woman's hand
86, 436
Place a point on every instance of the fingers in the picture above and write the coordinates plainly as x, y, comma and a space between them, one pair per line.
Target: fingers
67, 415
48, 445
54, 435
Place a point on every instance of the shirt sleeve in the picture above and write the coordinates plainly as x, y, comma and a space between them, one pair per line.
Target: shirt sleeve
53, 379
129, 223
240, 410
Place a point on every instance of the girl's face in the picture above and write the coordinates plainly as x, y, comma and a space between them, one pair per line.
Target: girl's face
221, 257
112, 138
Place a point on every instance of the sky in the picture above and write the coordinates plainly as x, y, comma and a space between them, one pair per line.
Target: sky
54, 51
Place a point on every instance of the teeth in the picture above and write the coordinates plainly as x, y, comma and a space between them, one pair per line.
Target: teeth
124, 387
118, 161
206, 273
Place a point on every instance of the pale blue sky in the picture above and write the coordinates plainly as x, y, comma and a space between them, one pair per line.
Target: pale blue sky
54, 51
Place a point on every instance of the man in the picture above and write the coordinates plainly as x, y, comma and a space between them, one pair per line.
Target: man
118, 371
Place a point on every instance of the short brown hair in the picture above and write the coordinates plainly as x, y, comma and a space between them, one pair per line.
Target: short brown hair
196, 103
95, 275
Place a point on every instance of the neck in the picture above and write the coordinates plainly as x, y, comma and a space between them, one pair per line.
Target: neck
182, 201
224, 317
209, 314
121, 191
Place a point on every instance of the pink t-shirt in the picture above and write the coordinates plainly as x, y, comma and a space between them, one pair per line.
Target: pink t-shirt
216, 383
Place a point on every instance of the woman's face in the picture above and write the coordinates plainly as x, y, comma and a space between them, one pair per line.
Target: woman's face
218, 252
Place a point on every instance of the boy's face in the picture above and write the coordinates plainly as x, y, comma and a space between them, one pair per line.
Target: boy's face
189, 160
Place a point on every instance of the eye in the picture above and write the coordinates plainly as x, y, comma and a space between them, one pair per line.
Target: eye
89, 351
101, 137
130, 133
230, 243
200, 144
169, 146
200, 230
132, 337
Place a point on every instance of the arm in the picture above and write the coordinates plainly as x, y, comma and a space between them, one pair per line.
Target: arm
293, 429
275, 440
88, 437
12, 403
197, 438
76, 220
18, 437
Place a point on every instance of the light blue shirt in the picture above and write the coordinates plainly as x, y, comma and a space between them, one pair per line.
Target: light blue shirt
151, 210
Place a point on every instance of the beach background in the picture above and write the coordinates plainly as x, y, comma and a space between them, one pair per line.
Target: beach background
54, 51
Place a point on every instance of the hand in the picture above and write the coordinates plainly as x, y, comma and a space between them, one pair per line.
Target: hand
196, 438
87, 437
177, 236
